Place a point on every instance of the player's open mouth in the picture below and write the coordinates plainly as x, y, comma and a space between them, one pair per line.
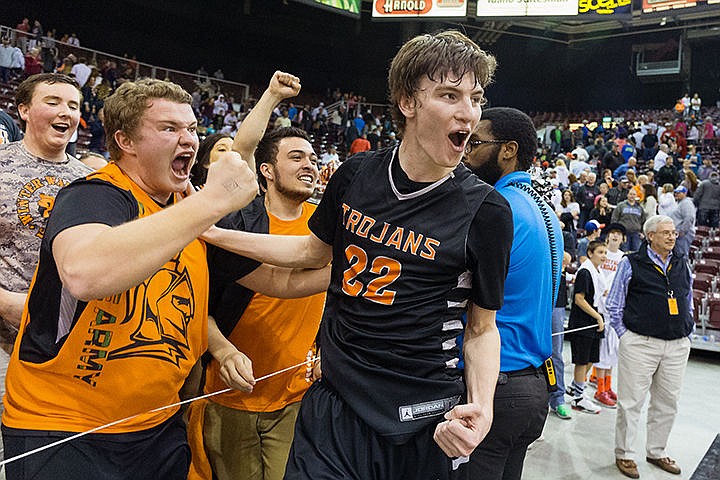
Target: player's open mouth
458, 138
181, 164
61, 127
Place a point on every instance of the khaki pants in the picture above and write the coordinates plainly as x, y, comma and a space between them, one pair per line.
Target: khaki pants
654, 365
248, 445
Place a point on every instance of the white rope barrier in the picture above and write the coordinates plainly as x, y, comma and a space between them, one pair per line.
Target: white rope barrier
307, 361
574, 330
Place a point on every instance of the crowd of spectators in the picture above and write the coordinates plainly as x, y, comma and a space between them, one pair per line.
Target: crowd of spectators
340, 124
631, 170
658, 148
35, 50
599, 172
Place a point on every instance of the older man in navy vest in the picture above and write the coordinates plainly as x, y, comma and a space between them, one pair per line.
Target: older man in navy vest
650, 307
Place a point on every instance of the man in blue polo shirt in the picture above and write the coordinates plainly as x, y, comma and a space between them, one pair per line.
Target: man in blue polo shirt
500, 152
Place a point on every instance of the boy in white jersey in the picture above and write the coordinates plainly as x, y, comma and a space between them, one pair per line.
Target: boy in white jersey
609, 344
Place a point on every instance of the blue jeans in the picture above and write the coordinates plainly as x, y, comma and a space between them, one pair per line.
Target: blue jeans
649, 153
557, 397
5, 74
633, 242
555, 148
682, 244
708, 218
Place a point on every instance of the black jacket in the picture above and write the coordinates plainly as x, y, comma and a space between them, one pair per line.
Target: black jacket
647, 309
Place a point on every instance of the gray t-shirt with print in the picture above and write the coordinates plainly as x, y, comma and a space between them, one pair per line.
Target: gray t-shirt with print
29, 186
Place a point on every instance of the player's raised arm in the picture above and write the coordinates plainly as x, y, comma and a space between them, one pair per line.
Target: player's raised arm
282, 85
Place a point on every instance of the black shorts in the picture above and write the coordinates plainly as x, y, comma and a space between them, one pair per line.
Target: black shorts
585, 349
159, 453
332, 442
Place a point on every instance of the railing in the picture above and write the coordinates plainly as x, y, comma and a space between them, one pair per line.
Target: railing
189, 81
357, 108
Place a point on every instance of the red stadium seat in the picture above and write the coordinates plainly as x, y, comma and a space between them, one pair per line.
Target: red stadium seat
707, 266
712, 253
702, 230
714, 316
703, 282
698, 295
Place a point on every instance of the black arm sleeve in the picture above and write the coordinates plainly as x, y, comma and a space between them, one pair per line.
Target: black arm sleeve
225, 265
226, 268
90, 201
489, 244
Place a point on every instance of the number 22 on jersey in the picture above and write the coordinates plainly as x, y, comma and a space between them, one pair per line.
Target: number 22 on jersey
387, 270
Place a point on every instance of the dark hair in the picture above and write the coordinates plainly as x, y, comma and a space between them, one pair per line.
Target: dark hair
562, 197
439, 56
26, 89
568, 222
592, 246
650, 190
512, 124
267, 148
198, 173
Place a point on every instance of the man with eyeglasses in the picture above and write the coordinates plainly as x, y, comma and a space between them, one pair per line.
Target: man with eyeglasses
500, 152
650, 307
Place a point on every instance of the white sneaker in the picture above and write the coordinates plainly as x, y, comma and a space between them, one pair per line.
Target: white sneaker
585, 405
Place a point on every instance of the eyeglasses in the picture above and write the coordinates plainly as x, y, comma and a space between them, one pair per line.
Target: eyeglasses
669, 233
476, 143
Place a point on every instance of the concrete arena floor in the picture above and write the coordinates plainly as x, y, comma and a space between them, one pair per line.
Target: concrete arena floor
582, 448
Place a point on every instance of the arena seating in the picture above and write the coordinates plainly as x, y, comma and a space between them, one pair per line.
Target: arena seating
698, 296
705, 282
710, 253
713, 303
707, 266
329, 136
7, 98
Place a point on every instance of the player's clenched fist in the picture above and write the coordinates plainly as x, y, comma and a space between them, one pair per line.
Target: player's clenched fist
231, 182
464, 428
236, 371
284, 85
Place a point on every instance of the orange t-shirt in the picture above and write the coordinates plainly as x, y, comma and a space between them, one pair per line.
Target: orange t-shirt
275, 334
124, 355
359, 145
640, 192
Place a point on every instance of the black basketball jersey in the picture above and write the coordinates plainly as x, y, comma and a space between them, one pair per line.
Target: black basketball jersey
401, 281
